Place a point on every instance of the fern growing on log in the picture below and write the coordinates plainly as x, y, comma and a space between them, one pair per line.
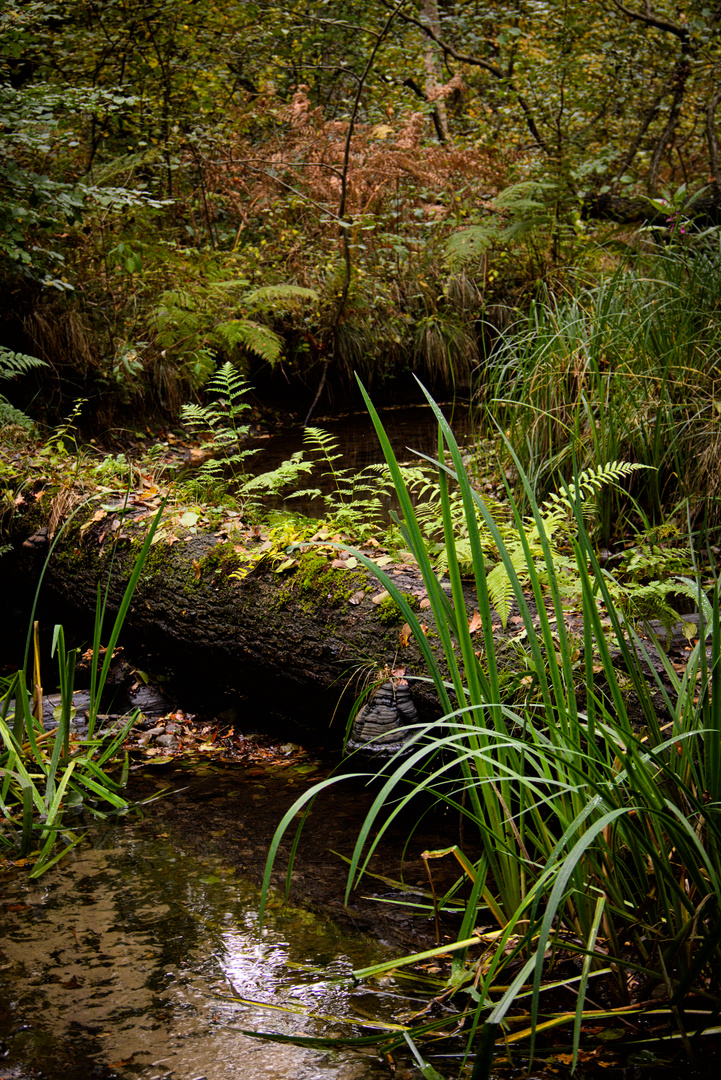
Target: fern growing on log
556, 520
220, 419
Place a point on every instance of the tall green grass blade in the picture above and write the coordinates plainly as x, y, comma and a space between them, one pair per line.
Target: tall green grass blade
585, 971
280, 832
120, 618
44, 862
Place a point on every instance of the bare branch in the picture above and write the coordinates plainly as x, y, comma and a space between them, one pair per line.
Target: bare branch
479, 62
649, 19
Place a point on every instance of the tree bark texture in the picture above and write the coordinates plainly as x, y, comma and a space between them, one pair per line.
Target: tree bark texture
300, 639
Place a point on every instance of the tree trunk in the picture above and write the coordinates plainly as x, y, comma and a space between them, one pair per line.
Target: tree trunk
429, 14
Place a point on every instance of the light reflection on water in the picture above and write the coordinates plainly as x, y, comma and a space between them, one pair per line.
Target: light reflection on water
124, 961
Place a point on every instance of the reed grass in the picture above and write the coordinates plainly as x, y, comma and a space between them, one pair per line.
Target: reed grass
593, 819
627, 370
47, 776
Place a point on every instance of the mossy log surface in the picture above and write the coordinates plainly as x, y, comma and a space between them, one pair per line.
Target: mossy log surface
293, 639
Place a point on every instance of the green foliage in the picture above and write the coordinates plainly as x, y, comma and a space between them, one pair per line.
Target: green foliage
598, 820
224, 474
196, 325
624, 371
519, 211
355, 503
49, 778
13, 364
220, 420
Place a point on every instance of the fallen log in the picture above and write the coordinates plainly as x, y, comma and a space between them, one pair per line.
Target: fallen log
232, 618
285, 631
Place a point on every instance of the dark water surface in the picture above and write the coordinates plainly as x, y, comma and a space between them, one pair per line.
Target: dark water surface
411, 430
137, 958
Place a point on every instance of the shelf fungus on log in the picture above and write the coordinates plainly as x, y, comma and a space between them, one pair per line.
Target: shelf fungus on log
382, 724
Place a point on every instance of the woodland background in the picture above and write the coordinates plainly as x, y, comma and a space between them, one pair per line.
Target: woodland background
317, 188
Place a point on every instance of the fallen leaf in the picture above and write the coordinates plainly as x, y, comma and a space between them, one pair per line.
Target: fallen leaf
384, 560
188, 519
404, 636
425, 602
380, 597
475, 623
197, 568
357, 597
338, 564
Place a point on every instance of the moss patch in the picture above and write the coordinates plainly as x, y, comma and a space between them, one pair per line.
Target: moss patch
388, 611
317, 583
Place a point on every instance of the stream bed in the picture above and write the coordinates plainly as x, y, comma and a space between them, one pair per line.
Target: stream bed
136, 957
140, 955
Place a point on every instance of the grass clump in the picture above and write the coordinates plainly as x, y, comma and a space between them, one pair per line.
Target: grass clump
592, 850
47, 778
624, 371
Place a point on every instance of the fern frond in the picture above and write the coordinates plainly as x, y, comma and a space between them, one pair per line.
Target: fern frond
500, 589
10, 415
15, 363
229, 384
589, 483
280, 295
199, 416
243, 334
468, 245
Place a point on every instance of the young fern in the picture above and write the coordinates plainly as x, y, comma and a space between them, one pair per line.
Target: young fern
220, 419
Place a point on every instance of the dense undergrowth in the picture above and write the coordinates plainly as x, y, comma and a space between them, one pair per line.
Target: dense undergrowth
180, 235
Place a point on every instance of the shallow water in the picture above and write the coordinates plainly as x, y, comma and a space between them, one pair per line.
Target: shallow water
135, 958
411, 429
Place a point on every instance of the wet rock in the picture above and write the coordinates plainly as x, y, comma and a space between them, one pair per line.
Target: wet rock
168, 741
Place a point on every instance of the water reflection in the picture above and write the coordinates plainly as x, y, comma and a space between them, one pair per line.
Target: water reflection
410, 429
136, 959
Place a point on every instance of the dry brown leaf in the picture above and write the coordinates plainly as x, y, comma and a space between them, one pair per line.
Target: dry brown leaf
404, 636
380, 597
475, 623
197, 569
425, 602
